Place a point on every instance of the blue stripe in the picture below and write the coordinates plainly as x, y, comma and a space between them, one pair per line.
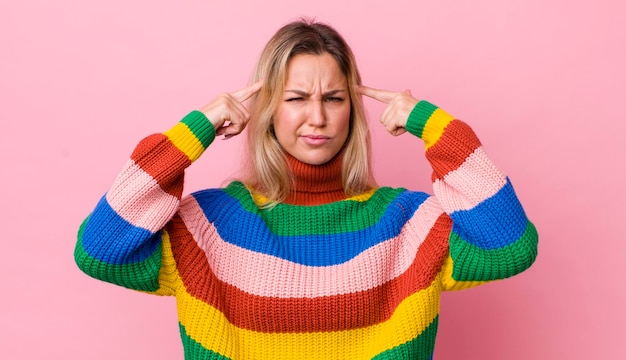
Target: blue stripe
237, 226
111, 239
494, 223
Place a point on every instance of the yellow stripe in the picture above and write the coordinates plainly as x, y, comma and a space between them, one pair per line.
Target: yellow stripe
434, 127
363, 197
261, 200
448, 281
185, 140
209, 327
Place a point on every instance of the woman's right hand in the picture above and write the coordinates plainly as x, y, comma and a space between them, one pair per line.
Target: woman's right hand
227, 113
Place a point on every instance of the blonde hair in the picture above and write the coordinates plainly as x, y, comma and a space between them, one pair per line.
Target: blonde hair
267, 171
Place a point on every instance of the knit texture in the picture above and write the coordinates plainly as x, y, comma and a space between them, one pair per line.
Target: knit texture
316, 184
346, 278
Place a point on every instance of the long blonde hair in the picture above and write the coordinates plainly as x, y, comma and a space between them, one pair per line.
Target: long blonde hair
267, 171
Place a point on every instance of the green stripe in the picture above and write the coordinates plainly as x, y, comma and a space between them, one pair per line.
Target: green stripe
347, 216
138, 276
418, 117
472, 263
420, 348
200, 126
194, 350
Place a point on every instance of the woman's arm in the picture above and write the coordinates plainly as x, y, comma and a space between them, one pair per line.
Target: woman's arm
124, 240
121, 240
491, 236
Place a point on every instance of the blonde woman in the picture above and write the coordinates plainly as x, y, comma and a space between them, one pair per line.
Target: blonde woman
306, 257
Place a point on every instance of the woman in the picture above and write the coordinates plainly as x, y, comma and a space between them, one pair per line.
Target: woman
306, 257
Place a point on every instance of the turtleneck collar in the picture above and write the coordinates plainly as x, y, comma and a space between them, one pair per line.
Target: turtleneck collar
316, 184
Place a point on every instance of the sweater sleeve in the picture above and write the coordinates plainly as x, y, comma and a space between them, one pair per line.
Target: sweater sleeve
124, 241
491, 238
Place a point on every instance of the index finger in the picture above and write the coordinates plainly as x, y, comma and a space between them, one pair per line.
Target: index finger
380, 95
244, 94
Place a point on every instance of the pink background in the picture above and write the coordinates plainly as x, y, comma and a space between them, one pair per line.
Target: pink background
542, 82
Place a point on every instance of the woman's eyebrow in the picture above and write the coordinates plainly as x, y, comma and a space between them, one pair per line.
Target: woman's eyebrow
306, 94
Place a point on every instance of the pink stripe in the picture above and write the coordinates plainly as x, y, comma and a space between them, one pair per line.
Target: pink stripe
476, 180
137, 197
239, 267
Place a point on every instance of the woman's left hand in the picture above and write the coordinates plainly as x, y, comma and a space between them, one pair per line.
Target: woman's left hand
399, 106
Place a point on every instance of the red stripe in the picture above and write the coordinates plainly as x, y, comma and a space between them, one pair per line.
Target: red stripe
158, 157
330, 313
456, 143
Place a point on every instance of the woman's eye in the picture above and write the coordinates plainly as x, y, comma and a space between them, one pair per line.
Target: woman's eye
294, 99
334, 99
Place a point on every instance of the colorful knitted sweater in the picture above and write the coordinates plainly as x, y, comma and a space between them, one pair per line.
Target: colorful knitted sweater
357, 278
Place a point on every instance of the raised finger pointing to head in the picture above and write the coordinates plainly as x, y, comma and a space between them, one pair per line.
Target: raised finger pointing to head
245, 93
380, 95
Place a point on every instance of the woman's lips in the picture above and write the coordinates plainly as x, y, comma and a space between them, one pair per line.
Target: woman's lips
315, 140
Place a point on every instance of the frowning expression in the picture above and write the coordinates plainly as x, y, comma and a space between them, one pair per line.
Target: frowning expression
312, 121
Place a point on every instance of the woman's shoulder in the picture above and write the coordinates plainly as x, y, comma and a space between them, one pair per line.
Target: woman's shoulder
402, 205
234, 191
385, 198
397, 193
234, 185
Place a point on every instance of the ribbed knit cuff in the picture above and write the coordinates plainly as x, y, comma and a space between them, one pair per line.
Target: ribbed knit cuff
192, 135
200, 126
419, 116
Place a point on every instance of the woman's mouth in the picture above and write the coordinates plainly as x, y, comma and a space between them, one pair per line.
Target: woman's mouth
315, 140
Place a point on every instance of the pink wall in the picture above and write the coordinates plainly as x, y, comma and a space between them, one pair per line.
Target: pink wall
542, 82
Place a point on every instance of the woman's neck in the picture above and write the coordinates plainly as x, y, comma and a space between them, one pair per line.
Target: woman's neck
316, 184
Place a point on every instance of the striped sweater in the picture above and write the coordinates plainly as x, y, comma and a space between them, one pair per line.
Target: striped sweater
358, 278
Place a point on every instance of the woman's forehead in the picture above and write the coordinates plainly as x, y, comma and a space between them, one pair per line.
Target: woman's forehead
307, 71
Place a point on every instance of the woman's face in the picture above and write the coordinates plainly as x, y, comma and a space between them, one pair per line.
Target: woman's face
312, 120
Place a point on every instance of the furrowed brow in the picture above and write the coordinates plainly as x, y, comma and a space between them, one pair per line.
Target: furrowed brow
298, 92
306, 94
333, 92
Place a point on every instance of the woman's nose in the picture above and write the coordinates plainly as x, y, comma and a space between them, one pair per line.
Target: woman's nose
317, 115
